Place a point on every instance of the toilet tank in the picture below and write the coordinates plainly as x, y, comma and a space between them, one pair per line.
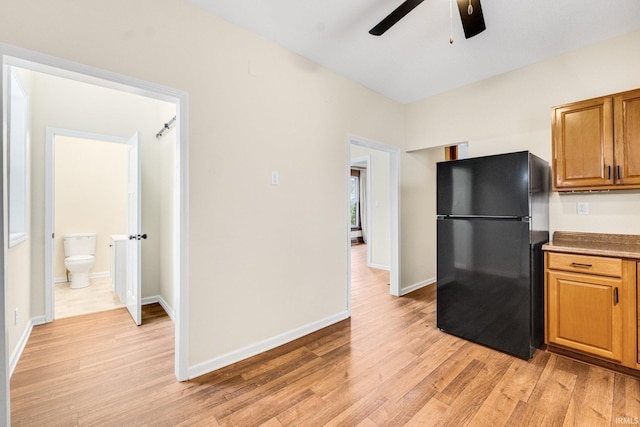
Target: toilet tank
79, 244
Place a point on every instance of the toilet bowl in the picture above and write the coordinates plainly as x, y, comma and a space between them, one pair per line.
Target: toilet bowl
79, 250
79, 267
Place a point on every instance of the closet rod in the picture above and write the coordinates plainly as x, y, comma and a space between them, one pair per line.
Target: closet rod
166, 127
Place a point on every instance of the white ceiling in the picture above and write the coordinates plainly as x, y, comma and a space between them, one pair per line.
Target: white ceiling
414, 59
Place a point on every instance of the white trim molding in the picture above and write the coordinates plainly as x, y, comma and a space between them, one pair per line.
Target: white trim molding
420, 285
49, 221
380, 266
394, 202
158, 299
22, 342
262, 346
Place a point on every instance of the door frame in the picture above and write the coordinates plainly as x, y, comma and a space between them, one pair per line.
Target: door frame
11, 55
394, 214
49, 205
367, 208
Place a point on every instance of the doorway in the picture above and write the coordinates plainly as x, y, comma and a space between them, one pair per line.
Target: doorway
16, 57
361, 152
88, 182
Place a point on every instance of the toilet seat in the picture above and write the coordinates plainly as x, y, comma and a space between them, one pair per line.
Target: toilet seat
76, 258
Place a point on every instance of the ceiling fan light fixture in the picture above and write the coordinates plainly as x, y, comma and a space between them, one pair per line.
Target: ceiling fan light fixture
472, 17
470, 13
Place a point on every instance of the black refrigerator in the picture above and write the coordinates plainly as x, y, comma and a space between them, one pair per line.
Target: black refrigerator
492, 220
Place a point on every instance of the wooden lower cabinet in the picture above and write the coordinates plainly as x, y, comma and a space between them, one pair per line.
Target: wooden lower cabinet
584, 313
591, 307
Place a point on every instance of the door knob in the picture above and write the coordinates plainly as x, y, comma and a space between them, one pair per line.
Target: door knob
138, 236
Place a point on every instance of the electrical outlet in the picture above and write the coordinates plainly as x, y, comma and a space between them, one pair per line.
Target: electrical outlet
275, 177
582, 208
15, 317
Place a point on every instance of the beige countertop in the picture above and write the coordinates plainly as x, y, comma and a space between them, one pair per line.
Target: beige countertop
610, 245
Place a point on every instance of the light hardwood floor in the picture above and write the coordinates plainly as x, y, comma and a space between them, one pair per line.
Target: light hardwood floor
98, 296
386, 366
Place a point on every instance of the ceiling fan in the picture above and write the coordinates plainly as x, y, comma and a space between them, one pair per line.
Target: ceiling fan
470, 13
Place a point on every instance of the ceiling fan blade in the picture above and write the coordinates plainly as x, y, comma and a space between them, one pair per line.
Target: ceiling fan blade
394, 17
473, 24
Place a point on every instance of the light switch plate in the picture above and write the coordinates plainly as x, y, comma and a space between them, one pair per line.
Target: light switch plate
582, 208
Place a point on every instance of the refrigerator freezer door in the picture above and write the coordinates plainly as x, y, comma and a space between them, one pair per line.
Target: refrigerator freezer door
484, 186
484, 284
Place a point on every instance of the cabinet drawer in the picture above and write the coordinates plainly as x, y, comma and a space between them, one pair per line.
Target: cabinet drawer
585, 264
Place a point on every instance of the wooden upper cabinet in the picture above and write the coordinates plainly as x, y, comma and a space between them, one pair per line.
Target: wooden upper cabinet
596, 143
583, 144
627, 137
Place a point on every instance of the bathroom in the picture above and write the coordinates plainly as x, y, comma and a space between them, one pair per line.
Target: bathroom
90, 197
61, 103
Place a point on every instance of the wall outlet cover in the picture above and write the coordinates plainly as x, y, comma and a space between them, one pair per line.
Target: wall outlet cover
582, 208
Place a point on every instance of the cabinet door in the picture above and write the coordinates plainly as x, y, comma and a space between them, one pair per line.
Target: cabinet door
583, 144
626, 107
584, 313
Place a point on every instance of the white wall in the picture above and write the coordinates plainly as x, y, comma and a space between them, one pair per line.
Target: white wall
90, 196
512, 112
253, 108
18, 263
418, 217
379, 199
168, 206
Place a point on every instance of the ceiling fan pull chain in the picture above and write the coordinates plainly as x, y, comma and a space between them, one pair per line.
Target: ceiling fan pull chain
470, 8
451, 22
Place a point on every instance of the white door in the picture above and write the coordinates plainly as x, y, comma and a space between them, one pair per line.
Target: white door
134, 274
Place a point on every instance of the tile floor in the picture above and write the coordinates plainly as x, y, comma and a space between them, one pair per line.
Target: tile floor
98, 296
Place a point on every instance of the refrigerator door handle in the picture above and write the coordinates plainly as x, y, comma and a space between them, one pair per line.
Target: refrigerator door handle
490, 218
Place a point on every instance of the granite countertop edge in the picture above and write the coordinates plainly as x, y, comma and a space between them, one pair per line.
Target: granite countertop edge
597, 244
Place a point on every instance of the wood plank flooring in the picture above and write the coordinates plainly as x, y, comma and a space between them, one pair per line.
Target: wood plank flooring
386, 366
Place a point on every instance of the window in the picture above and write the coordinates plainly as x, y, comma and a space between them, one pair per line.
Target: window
354, 197
18, 115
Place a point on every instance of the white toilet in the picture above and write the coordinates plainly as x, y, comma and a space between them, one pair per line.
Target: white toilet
79, 252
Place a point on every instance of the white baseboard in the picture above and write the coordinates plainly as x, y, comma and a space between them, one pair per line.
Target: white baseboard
158, 299
22, 342
98, 275
428, 282
380, 266
262, 346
